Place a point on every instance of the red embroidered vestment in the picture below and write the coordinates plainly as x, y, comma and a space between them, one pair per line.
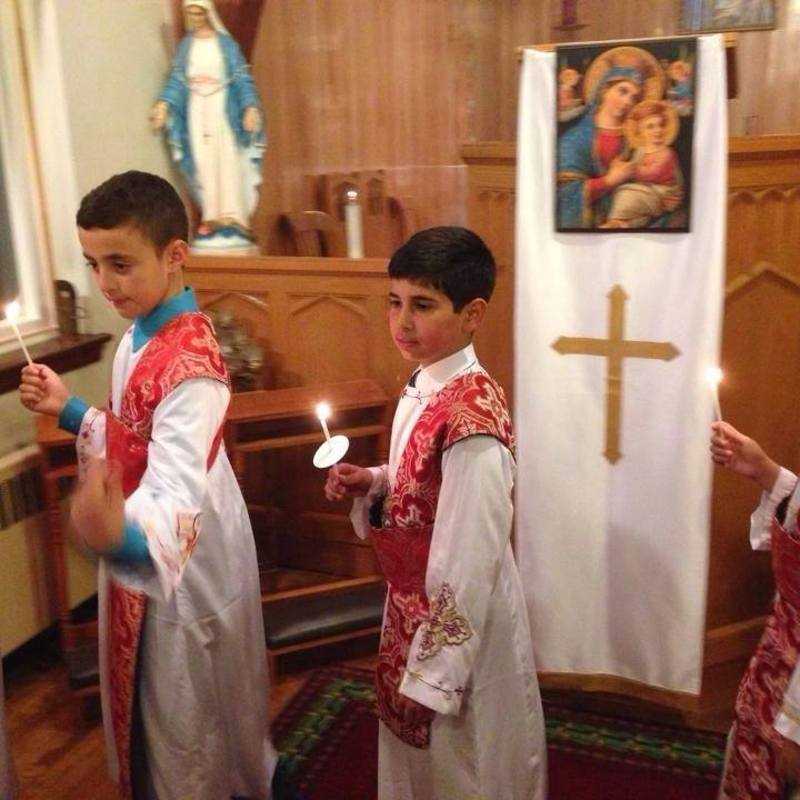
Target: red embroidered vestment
751, 772
182, 349
470, 405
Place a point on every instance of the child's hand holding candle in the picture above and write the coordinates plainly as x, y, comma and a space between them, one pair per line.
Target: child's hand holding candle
332, 450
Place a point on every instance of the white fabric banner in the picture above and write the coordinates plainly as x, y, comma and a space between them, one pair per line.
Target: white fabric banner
614, 553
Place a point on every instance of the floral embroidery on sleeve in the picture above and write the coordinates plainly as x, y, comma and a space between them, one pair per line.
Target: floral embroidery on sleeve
91, 440
445, 626
188, 531
173, 560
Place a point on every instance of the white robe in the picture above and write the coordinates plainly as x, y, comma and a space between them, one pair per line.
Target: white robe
490, 744
202, 664
218, 159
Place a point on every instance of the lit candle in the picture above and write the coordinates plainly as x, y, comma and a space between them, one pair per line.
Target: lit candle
714, 377
12, 315
353, 229
323, 412
332, 450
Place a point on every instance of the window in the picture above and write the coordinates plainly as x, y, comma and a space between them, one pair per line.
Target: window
9, 285
25, 272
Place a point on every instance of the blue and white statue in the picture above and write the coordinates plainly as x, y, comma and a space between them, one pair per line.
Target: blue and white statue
214, 125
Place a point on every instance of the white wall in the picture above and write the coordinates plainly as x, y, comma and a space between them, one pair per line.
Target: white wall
112, 62
114, 59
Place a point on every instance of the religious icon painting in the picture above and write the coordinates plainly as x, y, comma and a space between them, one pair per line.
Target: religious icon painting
625, 126
727, 15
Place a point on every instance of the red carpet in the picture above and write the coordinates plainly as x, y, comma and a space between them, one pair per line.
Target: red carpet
327, 737
582, 777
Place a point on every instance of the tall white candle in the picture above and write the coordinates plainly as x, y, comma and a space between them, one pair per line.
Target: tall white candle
353, 228
323, 412
12, 315
714, 377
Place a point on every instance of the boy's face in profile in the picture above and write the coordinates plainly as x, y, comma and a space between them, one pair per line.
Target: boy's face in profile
128, 269
424, 325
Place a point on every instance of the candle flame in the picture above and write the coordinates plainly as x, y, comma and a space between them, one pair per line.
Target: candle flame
714, 376
12, 311
323, 411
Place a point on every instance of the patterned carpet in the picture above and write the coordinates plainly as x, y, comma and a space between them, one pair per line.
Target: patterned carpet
327, 736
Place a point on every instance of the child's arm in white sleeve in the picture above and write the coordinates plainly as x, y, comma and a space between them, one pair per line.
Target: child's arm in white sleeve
761, 518
164, 511
470, 538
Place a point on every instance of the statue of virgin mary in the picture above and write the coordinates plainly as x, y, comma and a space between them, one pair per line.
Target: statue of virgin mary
211, 112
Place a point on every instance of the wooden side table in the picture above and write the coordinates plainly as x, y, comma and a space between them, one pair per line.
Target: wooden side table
78, 638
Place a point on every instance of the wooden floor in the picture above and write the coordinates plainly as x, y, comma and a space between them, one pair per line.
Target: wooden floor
56, 740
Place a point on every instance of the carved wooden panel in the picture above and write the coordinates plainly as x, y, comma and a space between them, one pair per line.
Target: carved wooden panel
321, 320
330, 337
760, 347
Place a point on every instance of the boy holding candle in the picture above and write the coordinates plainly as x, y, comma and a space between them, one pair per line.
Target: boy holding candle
763, 759
182, 657
456, 683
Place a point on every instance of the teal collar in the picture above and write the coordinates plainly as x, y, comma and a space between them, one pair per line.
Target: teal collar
146, 327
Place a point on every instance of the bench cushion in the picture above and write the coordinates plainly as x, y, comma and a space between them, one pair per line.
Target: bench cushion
305, 619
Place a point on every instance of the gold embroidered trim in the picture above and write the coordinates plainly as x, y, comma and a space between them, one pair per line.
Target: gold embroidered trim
445, 626
438, 687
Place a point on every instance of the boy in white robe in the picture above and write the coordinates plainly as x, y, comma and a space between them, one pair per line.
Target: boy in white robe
182, 656
456, 683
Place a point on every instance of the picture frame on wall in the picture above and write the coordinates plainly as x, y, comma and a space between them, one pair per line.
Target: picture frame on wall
727, 15
625, 130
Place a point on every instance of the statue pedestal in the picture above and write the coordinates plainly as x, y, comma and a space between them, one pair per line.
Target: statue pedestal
228, 238
250, 250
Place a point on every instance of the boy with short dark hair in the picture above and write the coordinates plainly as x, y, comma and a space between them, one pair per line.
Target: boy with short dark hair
182, 657
456, 683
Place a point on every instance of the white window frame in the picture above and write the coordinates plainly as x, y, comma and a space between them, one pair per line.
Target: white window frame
23, 187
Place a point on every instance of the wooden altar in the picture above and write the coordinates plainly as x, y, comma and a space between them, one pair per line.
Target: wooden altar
761, 346
322, 325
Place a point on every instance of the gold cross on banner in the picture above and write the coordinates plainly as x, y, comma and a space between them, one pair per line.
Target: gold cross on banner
615, 349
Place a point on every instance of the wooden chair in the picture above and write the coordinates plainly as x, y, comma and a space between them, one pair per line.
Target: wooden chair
314, 233
406, 218
388, 220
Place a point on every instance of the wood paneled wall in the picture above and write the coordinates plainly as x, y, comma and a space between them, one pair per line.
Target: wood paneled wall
353, 84
767, 68
361, 84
